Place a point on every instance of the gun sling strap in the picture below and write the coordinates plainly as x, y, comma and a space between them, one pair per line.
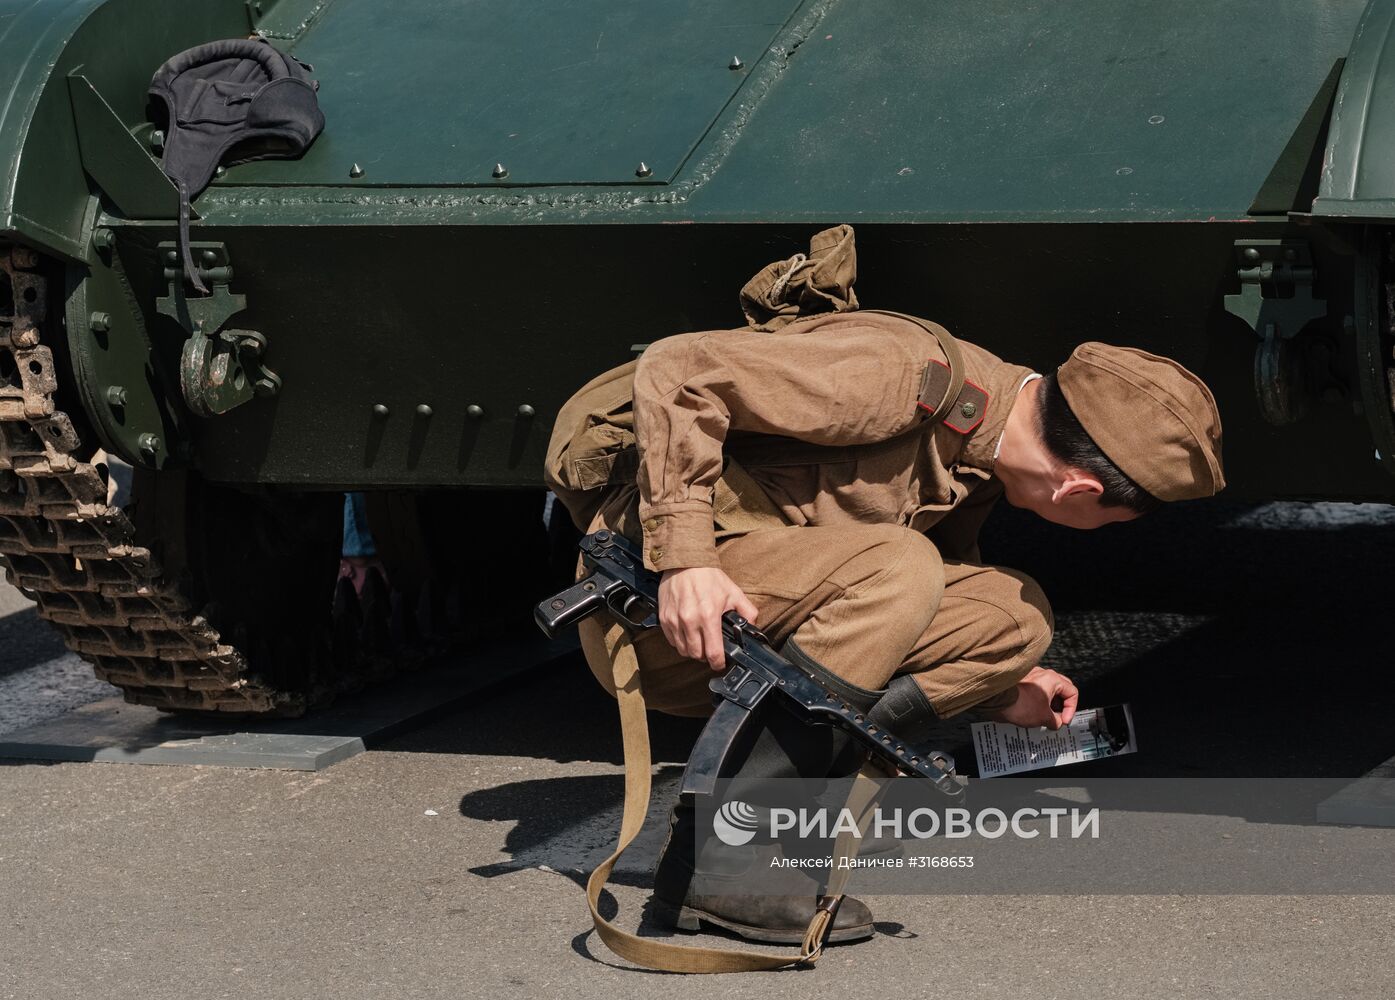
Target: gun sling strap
745, 509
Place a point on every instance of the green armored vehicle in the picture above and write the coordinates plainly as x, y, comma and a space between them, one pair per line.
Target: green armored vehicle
507, 198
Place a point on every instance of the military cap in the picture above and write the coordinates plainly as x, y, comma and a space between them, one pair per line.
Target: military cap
1150, 416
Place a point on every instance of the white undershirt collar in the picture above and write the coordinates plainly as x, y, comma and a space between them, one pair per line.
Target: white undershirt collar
1022, 385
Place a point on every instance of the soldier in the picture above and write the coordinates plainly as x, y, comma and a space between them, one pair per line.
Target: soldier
827, 479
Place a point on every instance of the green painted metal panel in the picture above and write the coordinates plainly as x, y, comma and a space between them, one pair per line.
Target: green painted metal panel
1358, 175
1039, 109
560, 91
120, 163
286, 19
1022, 110
399, 326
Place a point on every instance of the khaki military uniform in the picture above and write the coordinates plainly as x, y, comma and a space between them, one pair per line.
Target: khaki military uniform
868, 511
834, 464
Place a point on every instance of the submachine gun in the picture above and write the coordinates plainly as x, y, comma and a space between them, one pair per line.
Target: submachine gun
756, 675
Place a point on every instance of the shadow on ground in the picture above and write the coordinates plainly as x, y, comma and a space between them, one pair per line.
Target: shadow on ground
25, 642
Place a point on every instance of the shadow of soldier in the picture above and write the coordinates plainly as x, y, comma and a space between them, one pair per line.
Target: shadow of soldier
567, 825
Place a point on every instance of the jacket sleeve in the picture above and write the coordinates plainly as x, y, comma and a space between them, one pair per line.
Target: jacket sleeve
843, 383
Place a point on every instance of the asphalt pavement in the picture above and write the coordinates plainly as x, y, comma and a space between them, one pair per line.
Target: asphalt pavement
446, 863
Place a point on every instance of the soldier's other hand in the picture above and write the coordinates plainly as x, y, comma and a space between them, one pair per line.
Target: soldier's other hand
691, 605
1044, 698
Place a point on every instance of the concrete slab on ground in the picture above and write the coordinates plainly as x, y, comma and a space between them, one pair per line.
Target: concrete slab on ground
1368, 801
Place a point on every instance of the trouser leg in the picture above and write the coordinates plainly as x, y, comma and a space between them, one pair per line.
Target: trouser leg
867, 602
855, 598
992, 626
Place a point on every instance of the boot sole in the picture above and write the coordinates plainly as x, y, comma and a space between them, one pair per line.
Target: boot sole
686, 918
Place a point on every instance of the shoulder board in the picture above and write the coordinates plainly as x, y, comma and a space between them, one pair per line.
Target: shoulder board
969, 408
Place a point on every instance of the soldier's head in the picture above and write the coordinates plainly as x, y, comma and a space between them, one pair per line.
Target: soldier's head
1111, 435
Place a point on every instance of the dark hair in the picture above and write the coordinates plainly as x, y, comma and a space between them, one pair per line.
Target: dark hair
1070, 445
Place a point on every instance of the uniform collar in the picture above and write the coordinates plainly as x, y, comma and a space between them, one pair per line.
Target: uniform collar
1003, 382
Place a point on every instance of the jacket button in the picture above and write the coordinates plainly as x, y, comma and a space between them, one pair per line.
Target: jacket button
655, 555
652, 524
968, 409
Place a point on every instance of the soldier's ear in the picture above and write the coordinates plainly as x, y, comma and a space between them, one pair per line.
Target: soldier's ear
1075, 482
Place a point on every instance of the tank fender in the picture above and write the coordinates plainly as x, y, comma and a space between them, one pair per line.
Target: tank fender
1357, 182
44, 190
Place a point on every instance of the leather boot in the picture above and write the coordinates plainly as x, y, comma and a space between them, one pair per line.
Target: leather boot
786, 748
773, 919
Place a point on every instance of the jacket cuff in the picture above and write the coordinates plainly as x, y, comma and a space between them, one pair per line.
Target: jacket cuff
678, 535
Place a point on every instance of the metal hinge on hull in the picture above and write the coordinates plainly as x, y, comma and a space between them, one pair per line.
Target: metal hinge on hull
218, 369
1276, 301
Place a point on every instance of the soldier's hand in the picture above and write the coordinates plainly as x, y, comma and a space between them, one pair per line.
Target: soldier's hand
1044, 698
691, 605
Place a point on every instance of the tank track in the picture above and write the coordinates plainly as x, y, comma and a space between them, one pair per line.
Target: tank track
79, 557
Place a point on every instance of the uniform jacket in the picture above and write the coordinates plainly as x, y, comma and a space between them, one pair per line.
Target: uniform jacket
829, 417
